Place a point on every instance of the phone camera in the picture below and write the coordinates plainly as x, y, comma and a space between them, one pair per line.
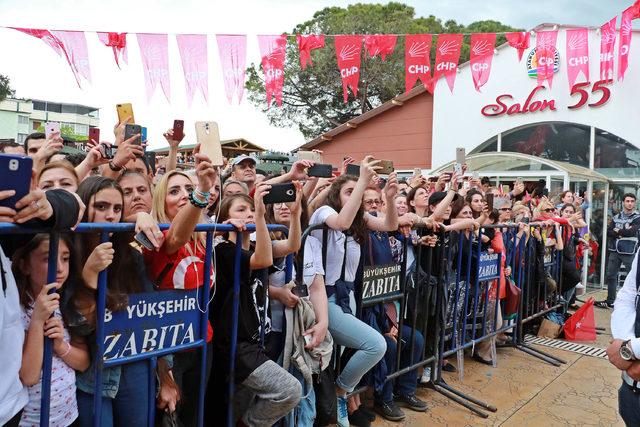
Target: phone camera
13, 165
289, 192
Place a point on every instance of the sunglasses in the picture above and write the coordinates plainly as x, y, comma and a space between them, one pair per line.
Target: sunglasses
549, 210
505, 209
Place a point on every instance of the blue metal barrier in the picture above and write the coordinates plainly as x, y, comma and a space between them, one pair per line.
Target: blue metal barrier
105, 229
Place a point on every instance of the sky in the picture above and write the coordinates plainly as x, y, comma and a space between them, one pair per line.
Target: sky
37, 72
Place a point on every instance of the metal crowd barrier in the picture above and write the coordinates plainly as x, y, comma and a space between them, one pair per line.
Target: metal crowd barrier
105, 229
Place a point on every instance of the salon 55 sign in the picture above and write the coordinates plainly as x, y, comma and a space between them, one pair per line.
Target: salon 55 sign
151, 322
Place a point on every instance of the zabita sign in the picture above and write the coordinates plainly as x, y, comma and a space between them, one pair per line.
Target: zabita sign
583, 94
151, 322
379, 281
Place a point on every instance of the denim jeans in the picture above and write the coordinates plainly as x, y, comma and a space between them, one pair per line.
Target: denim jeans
130, 407
629, 406
613, 266
406, 383
350, 332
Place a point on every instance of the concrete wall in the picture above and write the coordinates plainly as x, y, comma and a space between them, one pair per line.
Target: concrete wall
401, 134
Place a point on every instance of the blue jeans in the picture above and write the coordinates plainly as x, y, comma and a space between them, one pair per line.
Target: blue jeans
350, 332
130, 407
406, 383
629, 406
613, 267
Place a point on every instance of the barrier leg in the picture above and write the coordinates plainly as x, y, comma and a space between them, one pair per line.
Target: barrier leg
549, 358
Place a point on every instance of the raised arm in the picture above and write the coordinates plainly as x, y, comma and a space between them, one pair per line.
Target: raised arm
390, 220
262, 257
282, 248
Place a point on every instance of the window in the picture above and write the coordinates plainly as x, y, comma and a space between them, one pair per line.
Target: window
39, 105
21, 138
82, 129
35, 125
23, 120
564, 142
615, 157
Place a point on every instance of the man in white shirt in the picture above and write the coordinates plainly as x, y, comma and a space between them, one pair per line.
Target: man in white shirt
624, 350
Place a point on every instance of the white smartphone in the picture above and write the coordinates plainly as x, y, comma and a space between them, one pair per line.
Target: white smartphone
50, 128
208, 137
460, 159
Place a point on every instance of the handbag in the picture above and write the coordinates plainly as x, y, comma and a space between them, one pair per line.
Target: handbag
325, 391
513, 300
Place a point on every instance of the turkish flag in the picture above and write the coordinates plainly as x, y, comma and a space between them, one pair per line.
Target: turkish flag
481, 56
348, 49
546, 55
417, 62
607, 43
447, 56
519, 41
307, 43
273, 52
380, 44
625, 41
577, 54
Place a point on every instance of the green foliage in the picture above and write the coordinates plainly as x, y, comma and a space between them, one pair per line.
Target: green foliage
68, 132
5, 88
313, 99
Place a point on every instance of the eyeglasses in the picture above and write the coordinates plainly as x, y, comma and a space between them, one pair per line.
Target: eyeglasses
279, 206
505, 209
372, 202
549, 210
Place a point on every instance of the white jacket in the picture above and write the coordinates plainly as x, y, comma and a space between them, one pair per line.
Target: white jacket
13, 395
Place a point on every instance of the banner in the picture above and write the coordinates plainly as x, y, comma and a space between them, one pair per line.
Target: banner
545, 55
417, 62
45, 36
118, 43
607, 43
577, 44
74, 46
151, 322
233, 57
488, 266
519, 41
273, 50
380, 44
624, 45
307, 43
155, 63
380, 281
481, 57
447, 56
348, 49
193, 53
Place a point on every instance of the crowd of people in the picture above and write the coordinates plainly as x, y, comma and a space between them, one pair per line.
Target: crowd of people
368, 219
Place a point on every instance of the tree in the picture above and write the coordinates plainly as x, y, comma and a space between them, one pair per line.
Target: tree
5, 88
67, 132
312, 98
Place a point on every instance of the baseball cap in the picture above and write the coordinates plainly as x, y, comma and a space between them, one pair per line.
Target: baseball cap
439, 196
242, 158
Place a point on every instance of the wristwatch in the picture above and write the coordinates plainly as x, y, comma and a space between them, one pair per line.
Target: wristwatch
626, 352
114, 167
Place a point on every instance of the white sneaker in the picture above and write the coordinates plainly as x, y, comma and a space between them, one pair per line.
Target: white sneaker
580, 289
342, 419
426, 375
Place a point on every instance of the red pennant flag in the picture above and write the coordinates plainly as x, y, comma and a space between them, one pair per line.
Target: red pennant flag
519, 41
118, 43
380, 44
45, 36
306, 44
607, 43
417, 62
447, 56
545, 55
74, 46
273, 52
481, 57
577, 54
625, 41
348, 49
635, 10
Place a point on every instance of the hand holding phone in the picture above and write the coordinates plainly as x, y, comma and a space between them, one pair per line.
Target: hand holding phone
16, 176
320, 171
144, 241
125, 111
281, 193
208, 137
178, 130
50, 128
130, 131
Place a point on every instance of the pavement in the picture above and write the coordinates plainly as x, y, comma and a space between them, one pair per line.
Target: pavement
528, 391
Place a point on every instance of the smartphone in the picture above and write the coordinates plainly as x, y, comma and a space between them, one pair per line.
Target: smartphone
208, 137
50, 128
313, 156
124, 111
476, 175
382, 183
433, 179
130, 131
461, 157
387, 167
353, 170
151, 160
143, 133
519, 180
489, 199
144, 240
94, 134
417, 171
301, 291
16, 175
320, 171
281, 193
505, 189
106, 150
178, 130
